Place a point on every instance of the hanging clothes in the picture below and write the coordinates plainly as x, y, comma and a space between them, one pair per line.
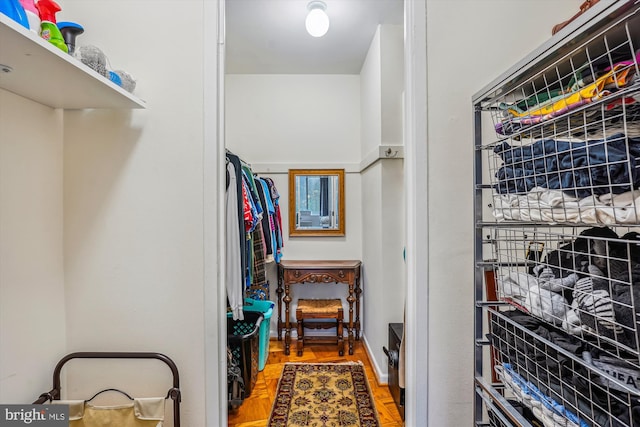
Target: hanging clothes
267, 220
257, 224
259, 288
266, 226
233, 258
275, 197
237, 173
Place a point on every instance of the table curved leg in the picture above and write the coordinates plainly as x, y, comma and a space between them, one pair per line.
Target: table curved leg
358, 292
351, 299
280, 291
287, 328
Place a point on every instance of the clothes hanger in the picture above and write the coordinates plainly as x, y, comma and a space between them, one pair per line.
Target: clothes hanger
109, 389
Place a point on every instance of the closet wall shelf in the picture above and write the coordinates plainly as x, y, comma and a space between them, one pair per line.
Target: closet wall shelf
45, 74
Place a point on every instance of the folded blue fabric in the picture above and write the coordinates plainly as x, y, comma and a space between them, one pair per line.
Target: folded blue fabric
531, 390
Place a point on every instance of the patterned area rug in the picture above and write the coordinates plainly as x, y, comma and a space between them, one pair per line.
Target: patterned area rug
323, 395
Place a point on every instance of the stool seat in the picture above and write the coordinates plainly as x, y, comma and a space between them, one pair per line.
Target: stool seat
320, 309
320, 306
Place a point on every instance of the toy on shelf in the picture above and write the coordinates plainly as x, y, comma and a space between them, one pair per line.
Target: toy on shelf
48, 28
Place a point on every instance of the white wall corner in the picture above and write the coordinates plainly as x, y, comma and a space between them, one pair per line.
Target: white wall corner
381, 377
370, 158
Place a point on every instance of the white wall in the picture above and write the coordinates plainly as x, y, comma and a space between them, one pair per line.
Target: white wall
133, 199
32, 307
383, 222
281, 122
293, 119
371, 98
392, 83
460, 63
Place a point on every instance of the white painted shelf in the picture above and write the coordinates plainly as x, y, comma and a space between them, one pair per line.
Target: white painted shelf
47, 75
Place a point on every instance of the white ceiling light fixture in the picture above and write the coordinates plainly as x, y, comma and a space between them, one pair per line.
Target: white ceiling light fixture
317, 21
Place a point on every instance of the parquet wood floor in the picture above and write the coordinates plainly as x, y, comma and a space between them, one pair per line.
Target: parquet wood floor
255, 410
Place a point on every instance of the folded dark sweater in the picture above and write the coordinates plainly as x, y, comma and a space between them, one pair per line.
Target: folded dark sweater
580, 169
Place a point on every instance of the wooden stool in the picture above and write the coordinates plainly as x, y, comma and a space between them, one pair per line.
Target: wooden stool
320, 309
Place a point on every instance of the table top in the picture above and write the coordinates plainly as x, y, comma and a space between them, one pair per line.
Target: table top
317, 264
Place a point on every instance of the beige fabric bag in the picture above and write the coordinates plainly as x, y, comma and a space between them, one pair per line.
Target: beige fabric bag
142, 412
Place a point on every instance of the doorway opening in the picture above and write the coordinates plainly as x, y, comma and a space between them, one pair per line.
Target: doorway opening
414, 39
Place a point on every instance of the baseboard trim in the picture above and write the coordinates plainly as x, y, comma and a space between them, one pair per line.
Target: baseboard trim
382, 378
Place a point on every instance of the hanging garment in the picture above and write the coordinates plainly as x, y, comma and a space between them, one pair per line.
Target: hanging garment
253, 217
259, 288
267, 206
247, 209
242, 237
253, 191
234, 270
271, 209
258, 276
275, 196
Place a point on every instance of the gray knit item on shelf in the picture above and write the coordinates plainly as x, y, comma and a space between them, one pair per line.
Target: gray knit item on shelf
128, 82
93, 58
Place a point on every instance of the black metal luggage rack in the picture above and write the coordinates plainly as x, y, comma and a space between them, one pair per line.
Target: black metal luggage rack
173, 393
557, 218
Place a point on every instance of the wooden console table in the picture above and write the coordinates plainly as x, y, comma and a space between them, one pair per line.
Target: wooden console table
291, 272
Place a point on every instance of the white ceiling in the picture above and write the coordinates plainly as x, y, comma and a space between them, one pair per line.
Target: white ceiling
269, 37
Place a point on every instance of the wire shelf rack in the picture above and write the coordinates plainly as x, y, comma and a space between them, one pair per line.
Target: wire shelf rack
586, 284
561, 379
557, 221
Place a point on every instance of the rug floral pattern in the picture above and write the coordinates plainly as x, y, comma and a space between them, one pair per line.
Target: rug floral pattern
323, 395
